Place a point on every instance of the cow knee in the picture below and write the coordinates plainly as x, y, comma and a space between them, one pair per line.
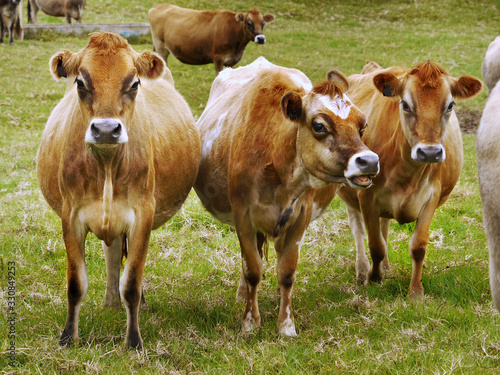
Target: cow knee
253, 278
287, 279
418, 254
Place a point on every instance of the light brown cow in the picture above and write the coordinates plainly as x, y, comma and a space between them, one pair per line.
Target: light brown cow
11, 19
57, 8
118, 156
488, 161
413, 128
201, 37
268, 138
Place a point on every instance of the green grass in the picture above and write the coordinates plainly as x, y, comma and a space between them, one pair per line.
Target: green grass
193, 321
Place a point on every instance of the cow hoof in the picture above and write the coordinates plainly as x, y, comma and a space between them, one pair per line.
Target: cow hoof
249, 324
134, 342
362, 279
416, 293
66, 339
287, 328
114, 303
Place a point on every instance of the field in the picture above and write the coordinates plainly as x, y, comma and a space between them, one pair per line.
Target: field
193, 321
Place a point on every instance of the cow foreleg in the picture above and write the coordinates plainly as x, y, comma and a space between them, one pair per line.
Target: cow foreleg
252, 271
131, 280
77, 280
288, 251
113, 256
358, 232
376, 241
418, 246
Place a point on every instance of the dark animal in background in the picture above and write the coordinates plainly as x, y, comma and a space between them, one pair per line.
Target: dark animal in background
269, 138
57, 8
11, 20
488, 161
118, 157
414, 130
199, 37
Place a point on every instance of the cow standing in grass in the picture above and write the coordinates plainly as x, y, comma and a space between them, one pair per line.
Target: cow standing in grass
488, 161
57, 8
208, 36
269, 139
118, 157
11, 20
413, 128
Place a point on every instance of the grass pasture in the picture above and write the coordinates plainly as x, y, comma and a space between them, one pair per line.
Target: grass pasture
193, 321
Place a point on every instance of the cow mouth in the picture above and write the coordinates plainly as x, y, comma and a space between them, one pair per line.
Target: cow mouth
360, 182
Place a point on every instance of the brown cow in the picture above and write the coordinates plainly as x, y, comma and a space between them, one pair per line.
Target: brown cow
413, 128
118, 157
57, 8
11, 19
202, 37
268, 138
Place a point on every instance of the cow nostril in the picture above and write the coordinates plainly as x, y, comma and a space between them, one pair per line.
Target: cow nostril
117, 131
361, 162
95, 131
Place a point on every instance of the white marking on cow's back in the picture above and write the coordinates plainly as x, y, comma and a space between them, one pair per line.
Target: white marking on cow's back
212, 135
339, 105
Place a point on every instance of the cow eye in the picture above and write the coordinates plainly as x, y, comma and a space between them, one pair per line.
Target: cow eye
405, 105
135, 86
79, 84
318, 127
250, 24
450, 107
362, 131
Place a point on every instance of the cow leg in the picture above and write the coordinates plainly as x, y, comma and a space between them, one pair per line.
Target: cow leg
219, 65
358, 232
288, 251
384, 227
376, 241
34, 11
76, 273
131, 280
418, 246
160, 48
241, 295
113, 256
2, 26
252, 270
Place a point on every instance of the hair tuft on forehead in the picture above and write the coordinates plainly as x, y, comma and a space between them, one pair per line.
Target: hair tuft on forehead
107, 41
428, 74
328, 88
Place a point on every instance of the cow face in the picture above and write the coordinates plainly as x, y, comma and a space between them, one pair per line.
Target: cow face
107, 77
253, 24
426, 99
329, 135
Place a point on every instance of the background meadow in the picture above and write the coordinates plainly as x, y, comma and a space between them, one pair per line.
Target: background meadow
193, 321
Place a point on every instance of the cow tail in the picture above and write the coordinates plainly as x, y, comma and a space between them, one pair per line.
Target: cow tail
19, 28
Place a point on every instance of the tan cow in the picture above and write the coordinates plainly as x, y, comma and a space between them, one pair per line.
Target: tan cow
208, 36
11, 20
490, 68
57, 8
413, 128
268, 138
118, 157
488, 161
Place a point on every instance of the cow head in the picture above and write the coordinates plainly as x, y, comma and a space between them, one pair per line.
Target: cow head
425, 96
253, 24
107, 77
329, 134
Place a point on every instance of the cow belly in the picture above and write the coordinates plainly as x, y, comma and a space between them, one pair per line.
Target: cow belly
107, 226
405, 208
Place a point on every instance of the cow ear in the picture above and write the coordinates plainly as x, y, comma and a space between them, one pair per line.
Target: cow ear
291, 104
338, 79
240, 17
150, 65
268, 18
63, 64
465, 87
388, 84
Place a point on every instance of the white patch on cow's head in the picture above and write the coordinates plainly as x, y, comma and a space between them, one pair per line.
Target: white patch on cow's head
340, 106
211, 136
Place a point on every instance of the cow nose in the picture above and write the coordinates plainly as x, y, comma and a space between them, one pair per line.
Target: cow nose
260, 39
429, 153
106, 131
367, 163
